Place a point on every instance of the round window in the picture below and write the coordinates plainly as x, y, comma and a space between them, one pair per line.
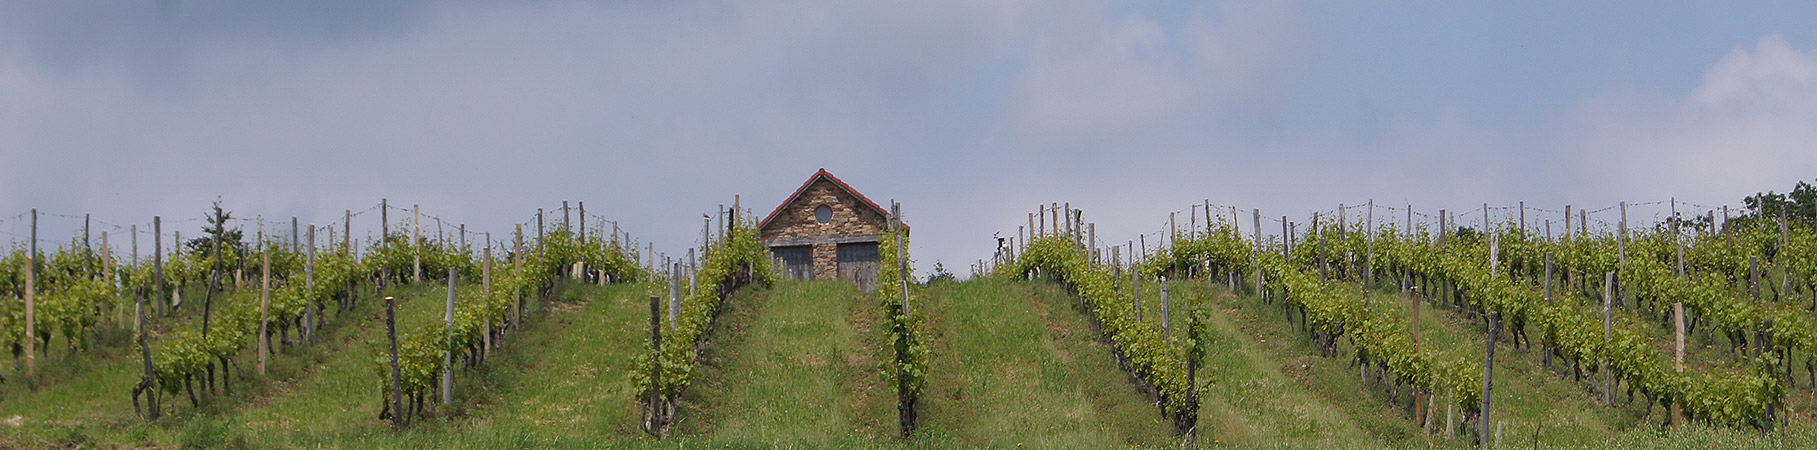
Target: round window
823, 214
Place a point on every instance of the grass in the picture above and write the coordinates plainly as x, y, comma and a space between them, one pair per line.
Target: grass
1015, 364
86, 395
792, 365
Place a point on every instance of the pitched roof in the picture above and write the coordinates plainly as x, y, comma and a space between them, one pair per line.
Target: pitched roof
837, 182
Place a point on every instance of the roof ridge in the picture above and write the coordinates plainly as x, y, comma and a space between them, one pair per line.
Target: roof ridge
837, 182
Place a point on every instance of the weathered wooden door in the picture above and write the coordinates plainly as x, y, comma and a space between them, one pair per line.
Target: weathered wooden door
796, 261
858, 262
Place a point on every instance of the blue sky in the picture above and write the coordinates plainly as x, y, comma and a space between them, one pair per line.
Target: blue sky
971, 113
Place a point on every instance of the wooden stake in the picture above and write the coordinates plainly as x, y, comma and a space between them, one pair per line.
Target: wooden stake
1678, 358
517, 269
157, 261
1483, 418
397, 397
1418, 408
1166, 316
265, 308
1608, 323
31, 294
416, 244
448, 356
657, 412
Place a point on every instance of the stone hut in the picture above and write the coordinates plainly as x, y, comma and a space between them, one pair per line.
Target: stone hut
826, 230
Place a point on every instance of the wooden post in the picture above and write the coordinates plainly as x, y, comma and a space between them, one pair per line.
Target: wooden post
107, 272
148, 380
1485, 218
1546, 350
486, 291
448, 356
1785, 273
309, 281
1320, 233
1254, 259
1173, 230
1444, 228
1677, 238
1369, 256
31, 294
1166, 316
1567, 222
1583, 222
1483, 418
517, 269
674, 294
1208, 216
1092, 232
416, 244
566, 224
1135, 275
1286, 239
1341, 226
1608, 295
1678, 356
902, 268
397, 397
347, 232
1116, 264
657, 413
1418, 408
1725, 226
539, 230
157, 262
265, 309
1621, 245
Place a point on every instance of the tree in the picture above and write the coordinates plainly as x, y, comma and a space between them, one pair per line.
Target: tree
216, 252
940, 275
1799, 205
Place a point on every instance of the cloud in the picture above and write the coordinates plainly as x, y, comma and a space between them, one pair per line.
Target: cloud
971, 113
651, 113
1748, 127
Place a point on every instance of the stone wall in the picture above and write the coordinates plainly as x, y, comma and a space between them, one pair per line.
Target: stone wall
826, 261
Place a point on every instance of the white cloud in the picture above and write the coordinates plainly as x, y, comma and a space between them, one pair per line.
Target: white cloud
1750, 126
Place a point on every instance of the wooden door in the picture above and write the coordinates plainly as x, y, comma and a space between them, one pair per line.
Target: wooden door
796, 261
858, 262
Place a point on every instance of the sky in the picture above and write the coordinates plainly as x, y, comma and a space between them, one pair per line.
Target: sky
969, 113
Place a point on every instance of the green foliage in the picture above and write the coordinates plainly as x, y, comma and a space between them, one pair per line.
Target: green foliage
906, 333
734, 261
1163, 364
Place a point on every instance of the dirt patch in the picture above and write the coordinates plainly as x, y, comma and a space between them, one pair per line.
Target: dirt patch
566, 307
1054, 331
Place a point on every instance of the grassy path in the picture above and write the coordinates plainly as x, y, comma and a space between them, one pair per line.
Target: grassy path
1532, 403
792, 365
86, 397
1016, 364
560, 381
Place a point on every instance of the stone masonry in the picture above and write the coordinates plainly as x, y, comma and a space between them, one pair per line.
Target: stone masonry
854, 219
